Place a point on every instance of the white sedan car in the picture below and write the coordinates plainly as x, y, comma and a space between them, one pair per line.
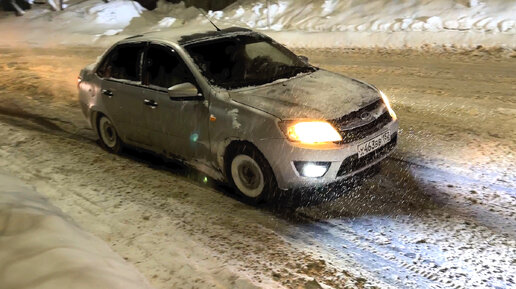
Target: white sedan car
237, 106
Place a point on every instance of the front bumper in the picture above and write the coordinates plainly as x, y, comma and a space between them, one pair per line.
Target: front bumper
343, 158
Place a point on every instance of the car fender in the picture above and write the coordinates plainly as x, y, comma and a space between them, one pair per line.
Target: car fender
238, 122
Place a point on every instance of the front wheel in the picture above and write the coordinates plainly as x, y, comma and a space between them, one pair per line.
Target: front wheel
108, 135
250, 174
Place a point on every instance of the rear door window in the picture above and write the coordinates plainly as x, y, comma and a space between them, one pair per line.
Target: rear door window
123, 63
164, 68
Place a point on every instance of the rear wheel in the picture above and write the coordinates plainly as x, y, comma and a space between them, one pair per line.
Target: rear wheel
250, 173
108, 135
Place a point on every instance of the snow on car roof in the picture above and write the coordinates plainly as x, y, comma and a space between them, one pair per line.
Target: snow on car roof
187, 36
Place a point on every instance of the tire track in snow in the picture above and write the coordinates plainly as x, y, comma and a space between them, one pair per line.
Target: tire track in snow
441, 258
382, 264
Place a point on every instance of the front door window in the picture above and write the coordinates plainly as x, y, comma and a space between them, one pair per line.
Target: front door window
123, 63
164, 68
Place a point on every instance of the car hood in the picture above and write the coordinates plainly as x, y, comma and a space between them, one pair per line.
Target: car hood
319, 95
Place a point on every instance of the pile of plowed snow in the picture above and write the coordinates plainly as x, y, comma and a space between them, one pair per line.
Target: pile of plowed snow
374, 15
42, 248
321, 23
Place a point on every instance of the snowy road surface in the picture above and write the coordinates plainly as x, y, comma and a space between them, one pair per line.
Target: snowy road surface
441, 214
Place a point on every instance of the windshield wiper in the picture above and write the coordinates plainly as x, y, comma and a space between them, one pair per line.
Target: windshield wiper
304, 68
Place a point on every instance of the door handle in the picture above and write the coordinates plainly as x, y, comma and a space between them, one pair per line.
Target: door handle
150, 103
107, 92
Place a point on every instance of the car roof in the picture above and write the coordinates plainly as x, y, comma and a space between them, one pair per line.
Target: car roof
187, 36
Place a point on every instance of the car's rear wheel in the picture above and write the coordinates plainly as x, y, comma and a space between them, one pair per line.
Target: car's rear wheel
108, 135
250, 174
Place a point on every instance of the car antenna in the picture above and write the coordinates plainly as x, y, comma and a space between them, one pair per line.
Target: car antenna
202, 12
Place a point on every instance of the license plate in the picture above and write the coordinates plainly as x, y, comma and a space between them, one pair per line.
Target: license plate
374, 144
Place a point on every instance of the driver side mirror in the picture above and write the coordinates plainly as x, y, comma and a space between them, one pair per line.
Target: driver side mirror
303, 58
184, 90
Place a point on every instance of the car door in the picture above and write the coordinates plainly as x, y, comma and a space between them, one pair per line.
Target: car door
121, 91
179, 127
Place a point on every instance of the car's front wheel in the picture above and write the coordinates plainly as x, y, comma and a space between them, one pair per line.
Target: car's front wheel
108, 135
251, 174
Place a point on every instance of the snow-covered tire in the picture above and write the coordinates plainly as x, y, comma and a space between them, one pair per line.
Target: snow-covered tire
250, 173
108, 135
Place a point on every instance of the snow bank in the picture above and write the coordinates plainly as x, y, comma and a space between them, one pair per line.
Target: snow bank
382, 23
374, 15
42, 248
116, 12
300, 23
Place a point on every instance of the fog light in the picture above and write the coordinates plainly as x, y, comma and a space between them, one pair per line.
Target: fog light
312, 169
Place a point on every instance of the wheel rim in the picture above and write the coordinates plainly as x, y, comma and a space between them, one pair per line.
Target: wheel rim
247, 175
107, 132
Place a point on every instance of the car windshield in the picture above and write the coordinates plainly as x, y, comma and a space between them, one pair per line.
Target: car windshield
245, 60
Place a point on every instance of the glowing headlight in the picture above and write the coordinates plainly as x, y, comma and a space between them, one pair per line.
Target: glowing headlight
312, 132
388, 105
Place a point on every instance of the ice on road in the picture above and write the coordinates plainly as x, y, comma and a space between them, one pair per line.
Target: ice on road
441, 214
